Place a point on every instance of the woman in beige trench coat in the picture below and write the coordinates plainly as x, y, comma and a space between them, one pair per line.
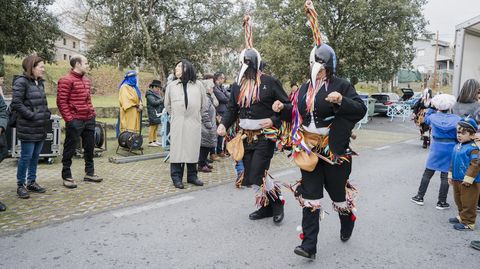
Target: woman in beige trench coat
185, 98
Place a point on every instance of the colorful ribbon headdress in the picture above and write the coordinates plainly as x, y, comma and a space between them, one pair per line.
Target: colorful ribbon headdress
249, 57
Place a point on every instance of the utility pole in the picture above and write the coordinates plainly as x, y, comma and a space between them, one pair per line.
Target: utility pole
434, 86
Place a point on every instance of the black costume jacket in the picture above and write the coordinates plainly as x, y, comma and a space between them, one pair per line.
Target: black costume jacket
342, 118
270, 90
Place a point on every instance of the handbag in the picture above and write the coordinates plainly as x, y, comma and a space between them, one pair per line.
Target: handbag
235, 147
302, 159
306, 161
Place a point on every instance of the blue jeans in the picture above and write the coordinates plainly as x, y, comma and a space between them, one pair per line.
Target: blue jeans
239, 167
28, 161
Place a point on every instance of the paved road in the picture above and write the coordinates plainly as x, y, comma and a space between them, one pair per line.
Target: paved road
383, 123
210, 229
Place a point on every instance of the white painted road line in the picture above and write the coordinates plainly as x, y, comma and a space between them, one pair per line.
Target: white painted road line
382, 148
139, 209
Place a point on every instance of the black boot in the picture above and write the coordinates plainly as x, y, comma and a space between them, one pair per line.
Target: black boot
425, 142
311, 227
2, 207
347, 223
192, 175
277, 209
176, 173
262, 212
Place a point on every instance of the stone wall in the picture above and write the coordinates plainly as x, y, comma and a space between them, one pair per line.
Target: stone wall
102, 112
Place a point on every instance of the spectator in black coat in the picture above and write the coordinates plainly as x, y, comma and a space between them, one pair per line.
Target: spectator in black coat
155, 107
30, 104
223, 97
3, 141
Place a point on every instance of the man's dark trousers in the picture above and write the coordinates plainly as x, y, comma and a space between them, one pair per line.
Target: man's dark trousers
74, 130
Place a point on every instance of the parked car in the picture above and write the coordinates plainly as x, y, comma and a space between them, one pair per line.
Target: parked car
414, 99
383, 101
407, 94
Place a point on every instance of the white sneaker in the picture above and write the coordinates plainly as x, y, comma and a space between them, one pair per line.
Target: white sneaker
158, 143
153, 144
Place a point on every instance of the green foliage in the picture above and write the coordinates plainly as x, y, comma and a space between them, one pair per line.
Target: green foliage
105, 79
26, 26
160, 33
372, 38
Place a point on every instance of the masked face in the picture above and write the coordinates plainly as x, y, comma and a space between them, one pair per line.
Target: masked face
248, 58
321, 58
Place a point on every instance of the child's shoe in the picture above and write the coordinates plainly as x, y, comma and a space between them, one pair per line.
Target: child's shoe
443, 205
462, 227
417, 199
453, 220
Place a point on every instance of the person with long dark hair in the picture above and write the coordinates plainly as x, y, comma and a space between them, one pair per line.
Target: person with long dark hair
467, 100
251, 102
185, 99
326, 109
30, 104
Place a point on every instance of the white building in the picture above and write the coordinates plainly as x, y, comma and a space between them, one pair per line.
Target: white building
67, 46
424, 60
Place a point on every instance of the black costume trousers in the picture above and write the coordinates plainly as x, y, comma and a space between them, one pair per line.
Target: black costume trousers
331, 177
256, 160
74, 130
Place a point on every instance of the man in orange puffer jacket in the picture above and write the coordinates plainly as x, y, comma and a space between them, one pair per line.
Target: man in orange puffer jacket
75, 104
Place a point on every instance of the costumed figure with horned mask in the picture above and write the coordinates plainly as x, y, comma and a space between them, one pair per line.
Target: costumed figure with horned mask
251, 101
322, 115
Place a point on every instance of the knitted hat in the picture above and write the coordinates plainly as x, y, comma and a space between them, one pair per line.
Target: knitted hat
443, 101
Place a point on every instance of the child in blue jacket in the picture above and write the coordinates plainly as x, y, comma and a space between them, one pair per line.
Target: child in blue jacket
464, 175
443, 126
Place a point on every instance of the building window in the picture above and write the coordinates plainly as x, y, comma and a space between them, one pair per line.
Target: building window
74, 44
64, 41
64, 57
420, 53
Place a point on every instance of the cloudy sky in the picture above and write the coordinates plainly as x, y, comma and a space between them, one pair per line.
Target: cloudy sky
443, 15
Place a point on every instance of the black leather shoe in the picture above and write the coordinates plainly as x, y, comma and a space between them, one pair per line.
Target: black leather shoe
196, 182
261, 213
34, 187
2, 207
278, 218
302, 252
178, 185
22, 192
277, 208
